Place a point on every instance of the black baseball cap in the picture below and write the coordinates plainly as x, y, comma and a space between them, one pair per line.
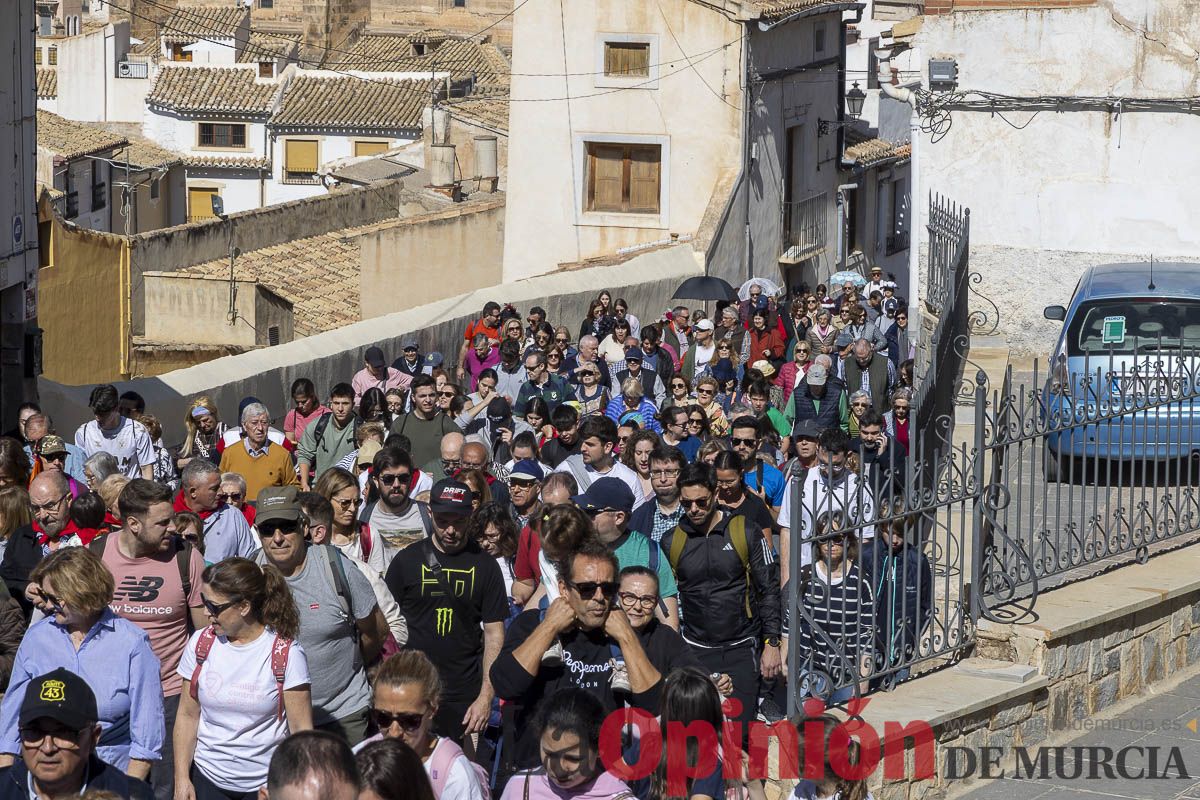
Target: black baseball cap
62, 696
375, 357
606, 493
807, 429
449, 496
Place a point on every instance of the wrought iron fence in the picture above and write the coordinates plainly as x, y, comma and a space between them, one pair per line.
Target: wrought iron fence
893, 558
803, 228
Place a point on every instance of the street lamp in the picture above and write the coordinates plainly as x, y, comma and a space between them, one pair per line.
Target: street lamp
854, 106
218, 209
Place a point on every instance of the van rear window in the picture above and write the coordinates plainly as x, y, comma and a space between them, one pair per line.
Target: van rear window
1125, 327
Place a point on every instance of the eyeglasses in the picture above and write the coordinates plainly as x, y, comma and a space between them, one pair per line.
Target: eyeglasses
346, 504
490, 537
735, 441
697, 422
286, 527
446, 394
678, 385
521, 483
561, 340
48, 506
699, 502
704, 391
63, 738
587, 589
646, 601
384, 720
53, 600
664, 473
55, 456
859, 404
447, 464
216, 609
389, 478
225, 497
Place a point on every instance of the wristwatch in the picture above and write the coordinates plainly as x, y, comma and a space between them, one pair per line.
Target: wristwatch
772, 641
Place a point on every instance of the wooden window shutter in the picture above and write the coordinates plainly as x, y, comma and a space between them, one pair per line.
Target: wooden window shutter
630, 59
607, 172
200, 204
301, 155
644, 178
370, 148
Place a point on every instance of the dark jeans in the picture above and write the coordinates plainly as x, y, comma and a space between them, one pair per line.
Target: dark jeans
207, 790
352, 727
162, 772
741, 664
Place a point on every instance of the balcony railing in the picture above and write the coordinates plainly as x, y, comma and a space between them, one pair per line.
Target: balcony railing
133, 69
301, 177
804, 228
896, 243
99, 196
72, 205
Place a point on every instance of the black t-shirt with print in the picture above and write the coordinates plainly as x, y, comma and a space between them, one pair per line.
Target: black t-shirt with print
445, 608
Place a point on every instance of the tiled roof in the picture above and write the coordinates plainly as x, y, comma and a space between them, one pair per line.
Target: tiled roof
261, 46
875, 151
47, 82
492, 114
222, 161
461, 57
222, 89
146, 154
189, 23
71, 139
324, 297
381, 168
314, 101
781, 8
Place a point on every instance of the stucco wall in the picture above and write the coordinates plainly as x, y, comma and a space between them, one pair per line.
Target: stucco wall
693, 112
1075, 188
189, 309
647, 282
84, 62
330, 147
431, 257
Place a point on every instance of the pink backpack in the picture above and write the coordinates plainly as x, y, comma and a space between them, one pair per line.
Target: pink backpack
279, 658
441, 762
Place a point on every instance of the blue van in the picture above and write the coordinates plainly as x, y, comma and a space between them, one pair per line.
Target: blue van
1122, 384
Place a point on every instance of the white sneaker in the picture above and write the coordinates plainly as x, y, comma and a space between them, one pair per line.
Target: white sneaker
620, 677
554, 656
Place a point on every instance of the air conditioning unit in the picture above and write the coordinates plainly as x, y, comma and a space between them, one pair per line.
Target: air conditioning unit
124, 70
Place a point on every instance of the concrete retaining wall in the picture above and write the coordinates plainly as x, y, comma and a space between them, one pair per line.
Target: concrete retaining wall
646, 282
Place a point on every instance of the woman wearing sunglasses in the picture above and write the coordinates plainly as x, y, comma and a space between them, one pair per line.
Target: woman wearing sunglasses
405, 700
347, 533
231, 675
791, 373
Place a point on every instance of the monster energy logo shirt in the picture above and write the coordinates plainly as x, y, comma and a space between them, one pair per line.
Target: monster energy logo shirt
445, 610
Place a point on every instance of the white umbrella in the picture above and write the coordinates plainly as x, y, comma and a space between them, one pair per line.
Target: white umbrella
769, 288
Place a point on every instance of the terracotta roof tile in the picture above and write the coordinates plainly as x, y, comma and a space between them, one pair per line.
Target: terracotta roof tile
261, 46
874, 151
781, 8
71, 139
198, 88
320, 275
47, 82
463, 58
332, 101
190, 23
222, 161
146, 154
492, 114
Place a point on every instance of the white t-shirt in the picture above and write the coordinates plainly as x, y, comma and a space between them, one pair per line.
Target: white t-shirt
858, 508
549, 576
130, 444
703, 356
462, 782
619, 470
239, 699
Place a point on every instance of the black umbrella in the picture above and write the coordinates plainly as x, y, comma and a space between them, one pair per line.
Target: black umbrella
705, 287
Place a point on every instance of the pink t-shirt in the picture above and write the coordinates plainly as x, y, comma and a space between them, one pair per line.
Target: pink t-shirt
294, 421
150, 595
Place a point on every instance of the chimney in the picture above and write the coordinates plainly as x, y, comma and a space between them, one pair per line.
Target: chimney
486, 160
441, 170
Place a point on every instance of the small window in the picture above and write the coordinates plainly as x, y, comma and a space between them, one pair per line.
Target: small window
418, 48
37, 56
369, 148
214, 134
99, 188
872, 63
819, 38
266, 69
266, 3
179, 54
273, 335
52, 56
300, 161
627, 59
45, 25
623, 178
155, 188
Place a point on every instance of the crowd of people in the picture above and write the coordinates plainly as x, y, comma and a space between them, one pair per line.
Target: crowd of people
453, 567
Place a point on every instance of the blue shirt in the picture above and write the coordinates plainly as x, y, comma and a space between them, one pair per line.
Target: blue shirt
773, 480
646, 411
116, 661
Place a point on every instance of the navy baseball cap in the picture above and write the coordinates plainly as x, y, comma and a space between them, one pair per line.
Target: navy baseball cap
606, 494
527, 470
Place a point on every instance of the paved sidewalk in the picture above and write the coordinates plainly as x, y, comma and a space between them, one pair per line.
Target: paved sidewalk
1160, 722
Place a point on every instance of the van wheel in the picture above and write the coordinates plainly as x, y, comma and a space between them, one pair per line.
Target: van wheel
1051, 468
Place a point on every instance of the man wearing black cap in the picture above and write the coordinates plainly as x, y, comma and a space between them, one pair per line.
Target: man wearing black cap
652, 382
410, 361
59, 732
453, 597
378, 374
126, 440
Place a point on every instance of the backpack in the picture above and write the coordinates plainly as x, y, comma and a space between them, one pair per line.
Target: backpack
442, 761
183, 559
279, 659
737, 536
319, 432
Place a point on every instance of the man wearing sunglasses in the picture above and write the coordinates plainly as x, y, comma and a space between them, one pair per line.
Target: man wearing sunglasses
830, 488
452, 594
728, 588
589, 624
341, 630
396, 519
59, 732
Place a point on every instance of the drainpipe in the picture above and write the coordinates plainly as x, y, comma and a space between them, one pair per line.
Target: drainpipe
842, 245
906, 95
747, 147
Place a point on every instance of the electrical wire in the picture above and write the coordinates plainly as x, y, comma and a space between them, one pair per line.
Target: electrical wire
721, 95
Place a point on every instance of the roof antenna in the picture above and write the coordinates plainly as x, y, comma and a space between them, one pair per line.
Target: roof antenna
1151, 287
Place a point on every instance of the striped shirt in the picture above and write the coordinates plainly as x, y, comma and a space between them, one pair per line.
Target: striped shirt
841, 611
